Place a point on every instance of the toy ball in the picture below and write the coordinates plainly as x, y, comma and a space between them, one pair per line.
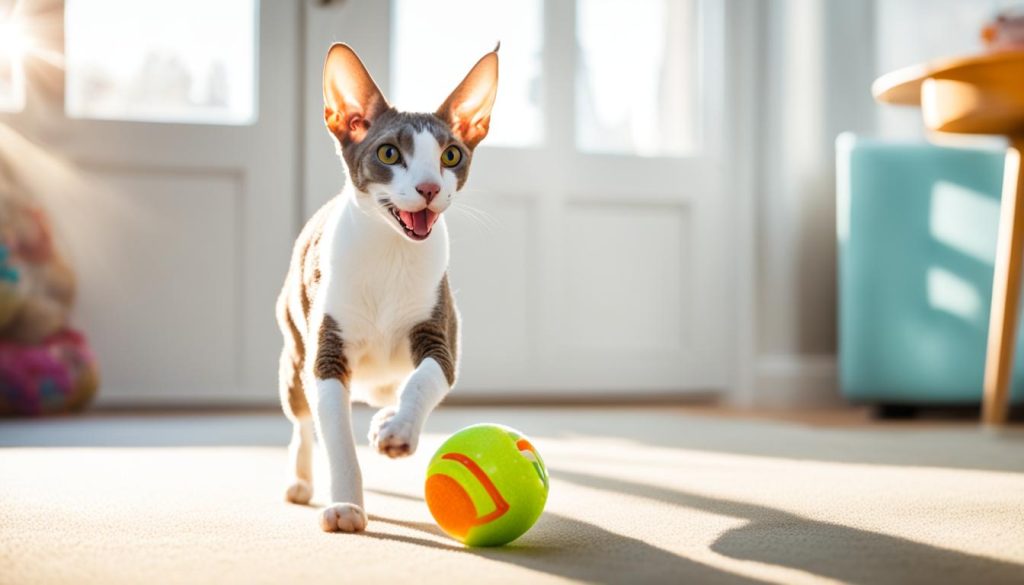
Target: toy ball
486, 485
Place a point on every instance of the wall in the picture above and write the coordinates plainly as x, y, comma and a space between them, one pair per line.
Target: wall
817, 62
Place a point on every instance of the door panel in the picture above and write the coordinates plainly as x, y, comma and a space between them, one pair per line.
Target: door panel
637, 306
492, 252
171, 238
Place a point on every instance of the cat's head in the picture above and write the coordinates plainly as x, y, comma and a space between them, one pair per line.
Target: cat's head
405, 167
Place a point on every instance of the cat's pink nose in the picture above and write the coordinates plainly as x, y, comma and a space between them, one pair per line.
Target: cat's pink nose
428, 191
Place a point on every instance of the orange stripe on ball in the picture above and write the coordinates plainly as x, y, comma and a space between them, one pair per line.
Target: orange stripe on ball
524, 445
450, 505
500, 505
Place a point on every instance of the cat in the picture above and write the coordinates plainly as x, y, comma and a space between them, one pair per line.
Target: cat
366, 310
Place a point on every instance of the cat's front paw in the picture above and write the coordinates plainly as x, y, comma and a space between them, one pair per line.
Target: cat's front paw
393, 435
343, 518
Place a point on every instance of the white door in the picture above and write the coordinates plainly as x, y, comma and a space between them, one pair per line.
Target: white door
163, 136
594, 259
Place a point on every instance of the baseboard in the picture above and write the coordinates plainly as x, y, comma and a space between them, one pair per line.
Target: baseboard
796, 381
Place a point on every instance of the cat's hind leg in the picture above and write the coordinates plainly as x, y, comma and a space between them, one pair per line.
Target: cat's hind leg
300, 455
300, 448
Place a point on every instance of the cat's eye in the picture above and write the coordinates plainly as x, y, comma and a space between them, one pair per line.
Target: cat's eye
451, 156
388, 154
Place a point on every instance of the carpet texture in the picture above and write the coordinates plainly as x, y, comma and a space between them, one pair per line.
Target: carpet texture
637, 495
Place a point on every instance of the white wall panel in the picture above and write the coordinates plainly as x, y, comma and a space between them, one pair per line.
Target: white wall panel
492, 279
157, 254
625, 283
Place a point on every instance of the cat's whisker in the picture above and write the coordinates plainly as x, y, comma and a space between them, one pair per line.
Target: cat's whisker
461, 212
480, 214
478, 217
477, 192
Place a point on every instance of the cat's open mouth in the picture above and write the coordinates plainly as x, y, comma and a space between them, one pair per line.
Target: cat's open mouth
417, 224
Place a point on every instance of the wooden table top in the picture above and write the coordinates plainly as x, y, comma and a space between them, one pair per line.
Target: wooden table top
903, 86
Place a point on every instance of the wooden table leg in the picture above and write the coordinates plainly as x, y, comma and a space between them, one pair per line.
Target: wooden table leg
1002, 329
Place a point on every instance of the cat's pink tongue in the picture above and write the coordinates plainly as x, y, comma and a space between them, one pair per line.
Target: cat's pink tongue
420, 221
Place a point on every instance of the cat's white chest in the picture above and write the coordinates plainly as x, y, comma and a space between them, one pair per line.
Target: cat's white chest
378, 289
377, 313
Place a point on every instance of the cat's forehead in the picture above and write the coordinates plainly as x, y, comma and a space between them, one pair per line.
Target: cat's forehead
402, 128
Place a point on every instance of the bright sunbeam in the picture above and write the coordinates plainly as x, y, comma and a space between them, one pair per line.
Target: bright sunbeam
26, 36
27, 33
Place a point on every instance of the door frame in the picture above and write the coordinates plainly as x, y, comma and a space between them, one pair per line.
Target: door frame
744, 79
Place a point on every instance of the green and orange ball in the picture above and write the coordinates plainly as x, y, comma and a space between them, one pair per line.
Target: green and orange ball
486, 485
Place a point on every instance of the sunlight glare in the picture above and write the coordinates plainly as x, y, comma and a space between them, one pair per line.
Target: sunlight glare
953, 294
965, 220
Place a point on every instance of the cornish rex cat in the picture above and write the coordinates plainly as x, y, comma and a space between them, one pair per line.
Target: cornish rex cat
366, 310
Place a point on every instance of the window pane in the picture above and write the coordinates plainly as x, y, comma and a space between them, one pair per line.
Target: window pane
436, 42
636, 93
153, 60
13, 44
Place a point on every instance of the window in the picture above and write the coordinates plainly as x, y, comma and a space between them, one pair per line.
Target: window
636, 93
436, 42
150, 60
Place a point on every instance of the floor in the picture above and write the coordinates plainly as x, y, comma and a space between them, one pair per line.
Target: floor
655, 494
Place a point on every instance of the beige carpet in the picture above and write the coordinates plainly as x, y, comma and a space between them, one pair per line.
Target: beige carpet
638, 495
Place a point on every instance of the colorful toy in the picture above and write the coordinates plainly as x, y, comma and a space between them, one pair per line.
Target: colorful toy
45, 366
486, 485
11, 296
57, 375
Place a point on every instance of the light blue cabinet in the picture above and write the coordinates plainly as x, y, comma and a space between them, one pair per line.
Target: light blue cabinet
916, 225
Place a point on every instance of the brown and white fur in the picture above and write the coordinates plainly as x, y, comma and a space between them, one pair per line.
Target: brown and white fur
366, 310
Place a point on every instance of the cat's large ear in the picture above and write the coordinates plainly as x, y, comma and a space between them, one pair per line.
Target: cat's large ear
351, 99
468, 109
